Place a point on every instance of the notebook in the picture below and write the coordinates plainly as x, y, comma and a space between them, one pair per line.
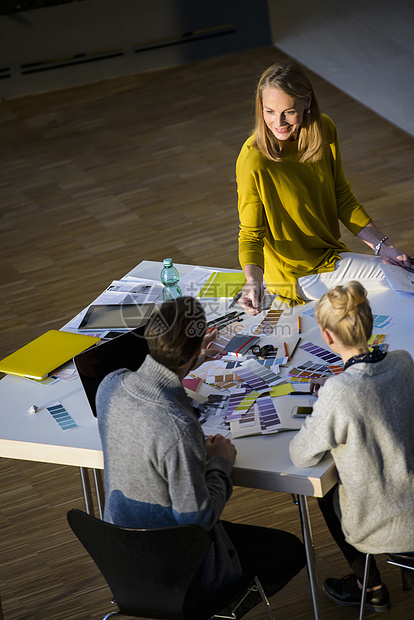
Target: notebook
40, 357
240, 344
126, 351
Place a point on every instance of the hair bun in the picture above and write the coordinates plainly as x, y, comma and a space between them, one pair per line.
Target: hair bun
345, 310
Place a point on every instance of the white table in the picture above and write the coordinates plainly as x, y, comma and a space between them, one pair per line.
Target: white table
262, 462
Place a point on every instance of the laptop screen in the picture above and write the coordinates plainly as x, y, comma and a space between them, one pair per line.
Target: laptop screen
126, 351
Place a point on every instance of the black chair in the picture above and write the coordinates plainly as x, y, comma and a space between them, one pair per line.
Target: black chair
149, 571
404, 560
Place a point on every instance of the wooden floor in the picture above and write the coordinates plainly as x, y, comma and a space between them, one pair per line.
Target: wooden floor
92, 181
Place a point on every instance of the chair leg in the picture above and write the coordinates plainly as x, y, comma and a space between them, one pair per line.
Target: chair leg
364, 586
407, 584
407, 573
255, 586
264, 598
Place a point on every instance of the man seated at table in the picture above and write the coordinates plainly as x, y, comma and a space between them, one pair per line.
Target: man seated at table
159, 469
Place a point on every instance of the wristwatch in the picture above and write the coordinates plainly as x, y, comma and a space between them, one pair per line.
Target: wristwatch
378, 246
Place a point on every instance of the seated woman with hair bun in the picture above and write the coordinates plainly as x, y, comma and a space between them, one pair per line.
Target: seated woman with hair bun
363, 417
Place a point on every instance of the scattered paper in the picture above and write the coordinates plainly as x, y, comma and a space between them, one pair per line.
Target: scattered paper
400, 280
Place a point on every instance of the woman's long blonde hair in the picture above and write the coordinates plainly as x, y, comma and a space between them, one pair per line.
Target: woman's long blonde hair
290, 78
345, 311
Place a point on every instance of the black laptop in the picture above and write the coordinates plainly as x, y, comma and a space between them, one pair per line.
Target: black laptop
126, 351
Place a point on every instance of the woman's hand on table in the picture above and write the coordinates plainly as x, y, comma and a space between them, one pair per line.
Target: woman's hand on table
394, 256
253, 290
372, 236
315, 384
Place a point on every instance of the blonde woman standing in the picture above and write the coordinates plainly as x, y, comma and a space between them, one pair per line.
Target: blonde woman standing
292, 193
365, 418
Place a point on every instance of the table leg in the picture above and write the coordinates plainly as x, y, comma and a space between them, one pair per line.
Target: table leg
87, 492
310, 556
100, 491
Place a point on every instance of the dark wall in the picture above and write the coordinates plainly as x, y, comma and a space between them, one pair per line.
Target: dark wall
92, 40
8, 7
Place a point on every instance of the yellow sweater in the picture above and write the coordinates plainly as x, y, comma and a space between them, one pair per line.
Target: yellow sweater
289, 213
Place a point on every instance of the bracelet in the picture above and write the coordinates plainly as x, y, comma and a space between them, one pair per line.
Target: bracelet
378, 246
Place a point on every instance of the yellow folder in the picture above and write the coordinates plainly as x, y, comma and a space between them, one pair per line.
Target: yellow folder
223, 284
44, 354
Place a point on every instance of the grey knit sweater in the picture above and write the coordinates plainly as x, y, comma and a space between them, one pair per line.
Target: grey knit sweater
365, 418
156, 473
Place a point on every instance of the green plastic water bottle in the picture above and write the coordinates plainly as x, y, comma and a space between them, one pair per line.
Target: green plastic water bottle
170, 279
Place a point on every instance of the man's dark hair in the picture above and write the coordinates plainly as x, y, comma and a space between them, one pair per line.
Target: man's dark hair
175, 332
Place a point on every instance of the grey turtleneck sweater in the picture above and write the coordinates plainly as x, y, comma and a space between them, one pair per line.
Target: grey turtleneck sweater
365, 418
156, 473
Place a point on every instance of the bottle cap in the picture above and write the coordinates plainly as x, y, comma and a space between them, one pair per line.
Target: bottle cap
167, 262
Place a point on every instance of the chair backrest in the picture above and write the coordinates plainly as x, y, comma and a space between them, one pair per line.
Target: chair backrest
148, 571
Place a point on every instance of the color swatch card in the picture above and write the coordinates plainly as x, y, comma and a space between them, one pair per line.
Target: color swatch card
236, 398
307, 371
249, 418
268, 326
377, 340
269, 420
261, 419
61, 416
243, 406
382, 321
207, 371
223, 381
336, 370
191, 383
282, 389
328, 356
257, 376
309, 312
252, 379
232, 364
272, 360
212, 414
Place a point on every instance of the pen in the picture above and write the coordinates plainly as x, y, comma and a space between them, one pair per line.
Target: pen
234, 300
223, 322
299, 329
222, 318
210, 329
295, 347
286, 350
300, 393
